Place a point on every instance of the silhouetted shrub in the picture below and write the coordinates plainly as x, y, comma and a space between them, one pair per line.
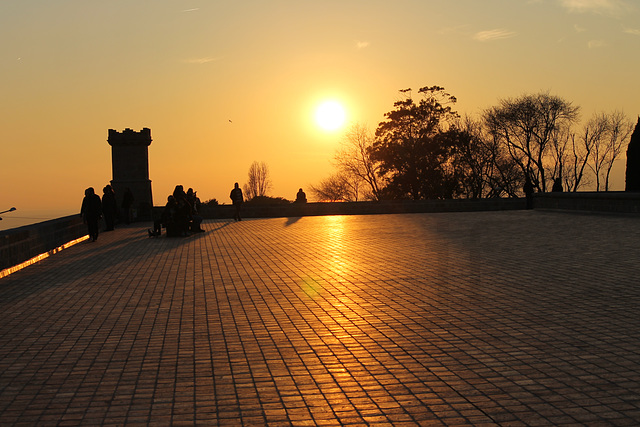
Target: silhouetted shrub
267, 200
210, 202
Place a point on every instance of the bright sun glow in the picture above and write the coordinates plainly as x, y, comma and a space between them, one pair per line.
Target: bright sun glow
330, 115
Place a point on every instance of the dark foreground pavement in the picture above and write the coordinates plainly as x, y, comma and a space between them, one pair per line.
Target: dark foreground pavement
508, 318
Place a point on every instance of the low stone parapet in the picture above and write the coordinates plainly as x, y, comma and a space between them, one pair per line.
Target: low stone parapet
21, 244
250, 210
611, 201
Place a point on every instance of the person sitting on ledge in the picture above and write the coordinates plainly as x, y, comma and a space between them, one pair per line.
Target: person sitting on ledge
301, 197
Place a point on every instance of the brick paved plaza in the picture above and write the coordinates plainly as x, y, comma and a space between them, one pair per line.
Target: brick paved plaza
490, 318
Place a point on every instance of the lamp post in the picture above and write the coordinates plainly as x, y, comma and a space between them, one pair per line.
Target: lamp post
8, 210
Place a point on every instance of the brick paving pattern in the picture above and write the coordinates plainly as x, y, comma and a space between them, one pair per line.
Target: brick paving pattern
497, 318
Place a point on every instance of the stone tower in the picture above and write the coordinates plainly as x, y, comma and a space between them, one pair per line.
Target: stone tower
130, 164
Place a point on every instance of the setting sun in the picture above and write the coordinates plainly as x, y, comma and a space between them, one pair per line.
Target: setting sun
330, 115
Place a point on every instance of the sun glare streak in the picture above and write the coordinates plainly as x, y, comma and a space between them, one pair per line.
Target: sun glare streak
334, 263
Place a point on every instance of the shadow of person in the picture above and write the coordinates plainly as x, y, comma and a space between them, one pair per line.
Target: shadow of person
226, 224
292, 220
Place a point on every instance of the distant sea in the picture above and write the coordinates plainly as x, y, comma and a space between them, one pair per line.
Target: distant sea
20, 217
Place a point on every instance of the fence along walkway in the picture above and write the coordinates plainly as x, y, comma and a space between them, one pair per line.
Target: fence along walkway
519, 317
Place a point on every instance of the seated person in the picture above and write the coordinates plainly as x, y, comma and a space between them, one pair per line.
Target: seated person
169, 218
194, 204
301, 197
182, 216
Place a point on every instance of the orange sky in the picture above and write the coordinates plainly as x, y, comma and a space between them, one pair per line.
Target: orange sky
73, 69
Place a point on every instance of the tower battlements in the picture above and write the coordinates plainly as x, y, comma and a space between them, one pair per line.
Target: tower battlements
129, 137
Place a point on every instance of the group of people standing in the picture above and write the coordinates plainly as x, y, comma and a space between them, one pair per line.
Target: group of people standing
94, 209
179, 217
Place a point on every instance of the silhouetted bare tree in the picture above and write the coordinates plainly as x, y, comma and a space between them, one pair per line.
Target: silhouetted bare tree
332, 189
258, 182
535, 130
606, 150
579, 152
353, 160
487, 169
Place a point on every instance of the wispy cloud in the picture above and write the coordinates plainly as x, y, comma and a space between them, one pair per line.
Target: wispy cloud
595, 44
579, 29
634, 31
362, 45
600, 7
202, 60
496, 34
191, 10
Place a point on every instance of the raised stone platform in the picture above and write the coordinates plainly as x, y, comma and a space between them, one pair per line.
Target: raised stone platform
485, 318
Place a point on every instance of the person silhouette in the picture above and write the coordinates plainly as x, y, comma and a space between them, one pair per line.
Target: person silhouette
301, 197
194, 203
528, 191
109, 208
91, 212
237, 198
183, 212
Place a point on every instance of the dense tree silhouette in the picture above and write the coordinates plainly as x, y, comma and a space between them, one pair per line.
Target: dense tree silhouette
416, 144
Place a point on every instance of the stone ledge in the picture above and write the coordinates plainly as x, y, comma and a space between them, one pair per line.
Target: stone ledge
361, 208
612, 201
18, 245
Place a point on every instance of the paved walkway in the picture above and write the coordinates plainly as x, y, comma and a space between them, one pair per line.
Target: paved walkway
497, 318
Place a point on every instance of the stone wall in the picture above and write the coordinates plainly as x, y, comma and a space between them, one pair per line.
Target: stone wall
18, 245
612, 201
361, 208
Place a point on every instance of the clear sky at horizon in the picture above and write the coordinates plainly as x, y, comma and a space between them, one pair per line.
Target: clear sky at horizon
222, 84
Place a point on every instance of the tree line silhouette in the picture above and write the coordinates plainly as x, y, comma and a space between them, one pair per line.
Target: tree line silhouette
425, 150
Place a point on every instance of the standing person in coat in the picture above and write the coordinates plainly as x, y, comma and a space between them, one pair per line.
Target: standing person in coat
528, 191
91, 212
237, 198
109, 208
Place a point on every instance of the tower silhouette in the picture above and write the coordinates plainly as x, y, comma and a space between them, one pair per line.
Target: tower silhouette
130, 165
